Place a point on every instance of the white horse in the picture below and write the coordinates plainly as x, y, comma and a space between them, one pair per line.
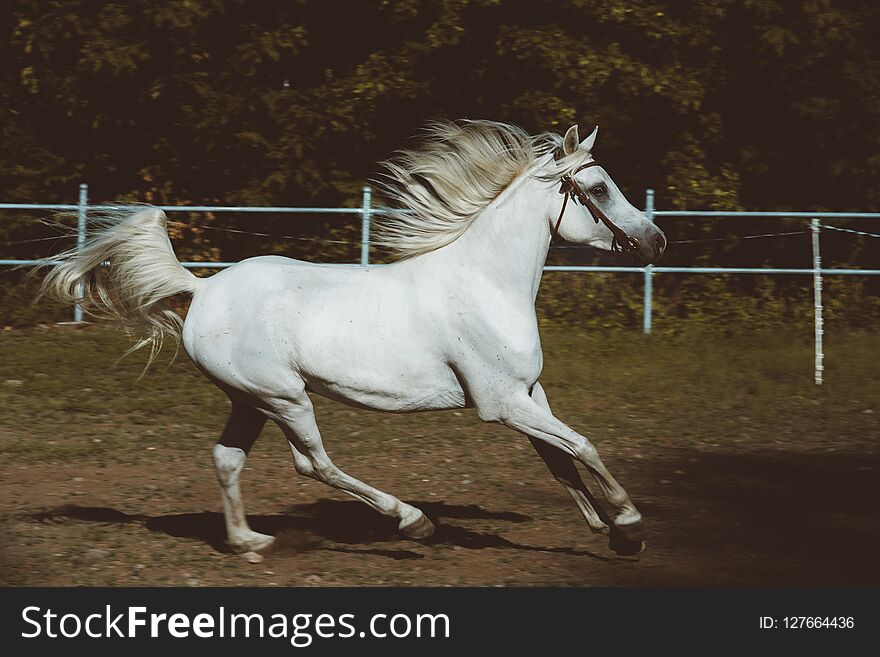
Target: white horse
450, 325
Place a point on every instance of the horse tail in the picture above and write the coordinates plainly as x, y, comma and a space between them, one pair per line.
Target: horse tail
126, 271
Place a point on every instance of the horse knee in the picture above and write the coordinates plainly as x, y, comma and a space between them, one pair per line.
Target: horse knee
586, 453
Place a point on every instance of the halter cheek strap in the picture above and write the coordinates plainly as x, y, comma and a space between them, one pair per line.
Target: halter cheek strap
570, 188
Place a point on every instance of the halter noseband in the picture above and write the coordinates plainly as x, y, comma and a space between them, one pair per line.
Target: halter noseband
571, 189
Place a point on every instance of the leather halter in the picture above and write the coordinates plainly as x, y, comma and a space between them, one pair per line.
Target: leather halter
571, 189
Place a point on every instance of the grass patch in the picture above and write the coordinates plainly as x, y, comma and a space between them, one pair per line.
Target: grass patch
67, 395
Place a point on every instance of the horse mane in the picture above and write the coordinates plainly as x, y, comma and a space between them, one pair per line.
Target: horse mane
437, 189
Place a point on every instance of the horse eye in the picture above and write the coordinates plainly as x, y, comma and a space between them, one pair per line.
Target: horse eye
598, 190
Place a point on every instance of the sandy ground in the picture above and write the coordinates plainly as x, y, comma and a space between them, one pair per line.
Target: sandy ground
105, 481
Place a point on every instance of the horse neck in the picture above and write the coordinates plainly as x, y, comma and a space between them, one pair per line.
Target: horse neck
509, 239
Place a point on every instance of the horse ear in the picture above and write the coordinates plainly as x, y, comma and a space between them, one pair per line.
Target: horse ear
587, 144
570, 141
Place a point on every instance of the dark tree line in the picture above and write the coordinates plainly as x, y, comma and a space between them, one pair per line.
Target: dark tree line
717, 104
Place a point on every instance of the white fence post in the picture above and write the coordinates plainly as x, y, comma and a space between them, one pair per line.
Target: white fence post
365, 227
817, 300
81, 219
649, 270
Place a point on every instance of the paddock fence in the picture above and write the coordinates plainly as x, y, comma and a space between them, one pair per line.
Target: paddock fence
366, 212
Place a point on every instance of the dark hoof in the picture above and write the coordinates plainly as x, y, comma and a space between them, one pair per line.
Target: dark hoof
420, 528
626, 548
634, 531
628, 540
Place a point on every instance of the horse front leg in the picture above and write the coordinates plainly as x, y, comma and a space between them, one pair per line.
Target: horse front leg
525, 414
563, 469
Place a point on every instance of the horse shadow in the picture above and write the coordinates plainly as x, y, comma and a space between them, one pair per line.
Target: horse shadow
332, 525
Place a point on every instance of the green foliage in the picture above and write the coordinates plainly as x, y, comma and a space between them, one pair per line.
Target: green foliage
723, 305
719, 104
290, 101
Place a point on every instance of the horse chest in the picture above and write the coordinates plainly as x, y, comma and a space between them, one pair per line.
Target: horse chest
501, 346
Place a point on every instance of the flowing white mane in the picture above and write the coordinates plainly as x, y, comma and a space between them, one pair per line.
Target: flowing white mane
437, 189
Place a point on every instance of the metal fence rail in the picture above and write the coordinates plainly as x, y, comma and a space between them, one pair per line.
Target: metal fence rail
366, 212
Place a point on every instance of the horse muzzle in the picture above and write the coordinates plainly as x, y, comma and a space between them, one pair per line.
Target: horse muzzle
652, 246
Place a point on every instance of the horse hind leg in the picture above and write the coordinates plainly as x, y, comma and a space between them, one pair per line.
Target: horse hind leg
296, 418
239, 435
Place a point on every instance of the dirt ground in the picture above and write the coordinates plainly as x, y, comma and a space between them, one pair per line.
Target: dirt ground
746, 473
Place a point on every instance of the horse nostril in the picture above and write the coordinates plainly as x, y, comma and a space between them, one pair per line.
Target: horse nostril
659, 245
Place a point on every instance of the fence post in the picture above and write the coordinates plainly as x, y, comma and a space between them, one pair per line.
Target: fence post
365, 227
81, 219
649, 269
817, 300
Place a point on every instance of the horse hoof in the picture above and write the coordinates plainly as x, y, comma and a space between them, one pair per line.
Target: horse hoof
634, 532
628, 539
625, 546
254, 542
421, 527
628, 548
